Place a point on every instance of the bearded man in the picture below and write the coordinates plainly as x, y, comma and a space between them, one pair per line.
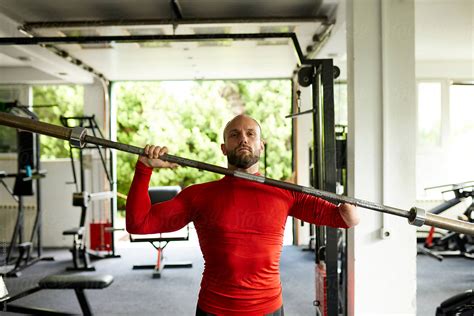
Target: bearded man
239, 223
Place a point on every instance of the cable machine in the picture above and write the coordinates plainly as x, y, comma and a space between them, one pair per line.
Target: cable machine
326, 170
101, 231
20, 251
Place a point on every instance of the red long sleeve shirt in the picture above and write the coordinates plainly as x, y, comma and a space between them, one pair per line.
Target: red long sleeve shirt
240, 225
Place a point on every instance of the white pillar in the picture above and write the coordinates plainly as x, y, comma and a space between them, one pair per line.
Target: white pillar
96, 103
381, 154
304, 130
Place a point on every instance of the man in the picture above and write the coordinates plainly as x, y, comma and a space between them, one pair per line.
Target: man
240, 224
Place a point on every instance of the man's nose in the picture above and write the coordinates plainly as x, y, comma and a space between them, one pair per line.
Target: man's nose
243, 139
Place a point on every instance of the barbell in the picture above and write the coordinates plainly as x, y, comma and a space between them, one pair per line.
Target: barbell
78, 137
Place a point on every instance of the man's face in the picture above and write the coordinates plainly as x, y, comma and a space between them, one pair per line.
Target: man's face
242, 142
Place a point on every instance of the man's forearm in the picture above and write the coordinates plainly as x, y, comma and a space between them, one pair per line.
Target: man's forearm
138, 201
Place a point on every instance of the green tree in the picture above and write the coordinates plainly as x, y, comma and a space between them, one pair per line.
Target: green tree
67, 101
189, 117
269, 102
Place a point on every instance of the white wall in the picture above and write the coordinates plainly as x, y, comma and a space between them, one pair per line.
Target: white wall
448, 69
381, 154
96, 103
58, 212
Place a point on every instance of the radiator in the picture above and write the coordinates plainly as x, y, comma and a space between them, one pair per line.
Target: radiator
8, 217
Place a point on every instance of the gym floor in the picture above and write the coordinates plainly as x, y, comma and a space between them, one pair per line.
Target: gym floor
135, 292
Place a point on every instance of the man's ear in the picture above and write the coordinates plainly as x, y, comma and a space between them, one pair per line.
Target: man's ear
262, 145
224, 151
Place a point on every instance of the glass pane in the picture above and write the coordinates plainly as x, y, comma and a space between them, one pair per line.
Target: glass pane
340, 103
429, 114
462, 113
461, 107
49, 103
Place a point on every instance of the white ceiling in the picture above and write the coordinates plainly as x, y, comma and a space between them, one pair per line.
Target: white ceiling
269, 58
7, 61
444, 31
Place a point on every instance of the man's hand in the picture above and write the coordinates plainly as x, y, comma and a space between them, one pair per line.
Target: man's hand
151, 157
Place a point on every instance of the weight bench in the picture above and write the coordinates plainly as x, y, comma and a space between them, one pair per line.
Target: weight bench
160, 241
76, 282
460, 304
24, 252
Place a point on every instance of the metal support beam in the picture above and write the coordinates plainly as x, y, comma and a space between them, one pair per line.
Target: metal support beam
183, 21
59, 40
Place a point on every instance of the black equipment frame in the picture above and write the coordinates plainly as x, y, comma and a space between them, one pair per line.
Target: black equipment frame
324, 177
25, 247
460, 193
79, 250
60, 282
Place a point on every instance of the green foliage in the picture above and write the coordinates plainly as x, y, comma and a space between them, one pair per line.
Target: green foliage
68, 101
188, 117
7, 140
269, 102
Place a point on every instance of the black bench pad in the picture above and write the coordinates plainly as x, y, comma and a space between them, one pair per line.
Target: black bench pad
76, 281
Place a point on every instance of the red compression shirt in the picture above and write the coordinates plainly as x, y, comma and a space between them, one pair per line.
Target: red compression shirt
240, 225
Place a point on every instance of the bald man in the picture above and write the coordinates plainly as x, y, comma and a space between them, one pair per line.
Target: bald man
239, 223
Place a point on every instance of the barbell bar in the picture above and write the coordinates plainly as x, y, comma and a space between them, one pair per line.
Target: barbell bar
78, 137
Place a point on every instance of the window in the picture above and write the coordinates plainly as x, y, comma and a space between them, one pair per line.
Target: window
461, 136
445, 136
340, 103
429, 114
49, 103
462, 114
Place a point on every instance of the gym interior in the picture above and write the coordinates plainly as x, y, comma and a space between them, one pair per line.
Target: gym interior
364, 102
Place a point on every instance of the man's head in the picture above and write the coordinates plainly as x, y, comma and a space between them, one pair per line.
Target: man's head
242, 143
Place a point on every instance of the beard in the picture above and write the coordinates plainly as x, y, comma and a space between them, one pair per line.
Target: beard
242, 160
